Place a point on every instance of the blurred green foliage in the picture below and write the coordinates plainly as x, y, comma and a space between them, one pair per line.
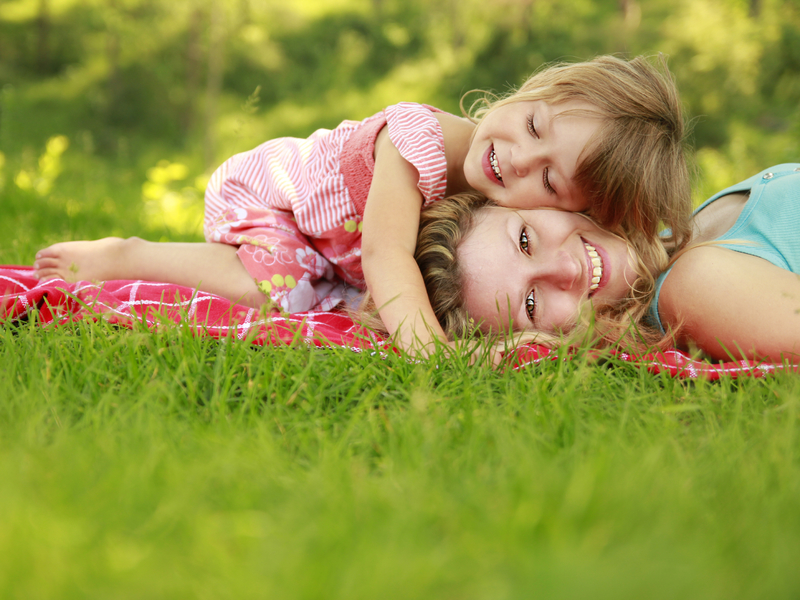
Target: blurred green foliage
130, 83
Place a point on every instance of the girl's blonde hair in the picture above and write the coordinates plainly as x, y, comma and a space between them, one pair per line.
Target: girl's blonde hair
634, 172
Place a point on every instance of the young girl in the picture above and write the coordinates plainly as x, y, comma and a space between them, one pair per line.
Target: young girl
284, 221
734, 291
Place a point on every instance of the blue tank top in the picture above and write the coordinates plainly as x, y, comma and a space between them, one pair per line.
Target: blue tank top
768, 226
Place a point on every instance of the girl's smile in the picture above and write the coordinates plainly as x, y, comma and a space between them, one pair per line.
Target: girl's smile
491, 167
525, 154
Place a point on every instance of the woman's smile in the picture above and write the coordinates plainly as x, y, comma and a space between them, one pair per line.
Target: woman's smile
533, 269
598, 276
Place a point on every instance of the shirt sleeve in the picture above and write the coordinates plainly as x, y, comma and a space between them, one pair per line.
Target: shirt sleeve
416, 133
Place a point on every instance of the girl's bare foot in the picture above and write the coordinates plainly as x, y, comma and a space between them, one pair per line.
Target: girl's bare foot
97, 260
209, 267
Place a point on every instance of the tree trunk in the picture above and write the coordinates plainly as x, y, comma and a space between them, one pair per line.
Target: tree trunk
113, 81
193, 64
43, 38
216, 68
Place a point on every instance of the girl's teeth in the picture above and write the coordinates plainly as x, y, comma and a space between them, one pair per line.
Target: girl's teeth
597, 264
495, 165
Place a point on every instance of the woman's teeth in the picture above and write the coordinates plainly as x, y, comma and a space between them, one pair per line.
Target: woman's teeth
495, 164
597, 267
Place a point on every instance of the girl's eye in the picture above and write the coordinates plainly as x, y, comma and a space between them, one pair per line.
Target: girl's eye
523, 241
530, 305
546, 179
531, 127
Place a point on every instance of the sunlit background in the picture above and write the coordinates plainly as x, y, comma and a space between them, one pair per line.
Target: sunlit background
120, 109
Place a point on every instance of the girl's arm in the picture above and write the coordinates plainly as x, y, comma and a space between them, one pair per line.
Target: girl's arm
391, 220
733, 305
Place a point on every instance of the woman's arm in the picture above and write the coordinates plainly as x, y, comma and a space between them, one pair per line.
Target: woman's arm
389, 238
733, 305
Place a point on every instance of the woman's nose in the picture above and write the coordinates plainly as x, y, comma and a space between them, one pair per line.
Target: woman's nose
562, 270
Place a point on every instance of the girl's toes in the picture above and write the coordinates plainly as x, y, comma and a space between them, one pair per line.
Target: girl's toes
46, 253
44, 274
46, 268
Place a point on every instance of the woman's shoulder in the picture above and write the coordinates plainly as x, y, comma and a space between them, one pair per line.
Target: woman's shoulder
696, 263
707, 278
722, 299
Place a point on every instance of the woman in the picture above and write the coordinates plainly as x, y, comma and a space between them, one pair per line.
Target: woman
734, 291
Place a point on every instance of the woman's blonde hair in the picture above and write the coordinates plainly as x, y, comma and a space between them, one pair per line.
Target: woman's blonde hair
442, 228
634, 172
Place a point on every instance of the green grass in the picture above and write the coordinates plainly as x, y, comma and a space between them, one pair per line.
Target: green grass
141, 464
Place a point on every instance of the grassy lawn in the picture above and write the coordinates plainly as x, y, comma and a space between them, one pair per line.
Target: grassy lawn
141, 464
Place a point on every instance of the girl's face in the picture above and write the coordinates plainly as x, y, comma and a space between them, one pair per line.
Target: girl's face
532, 269
524, 155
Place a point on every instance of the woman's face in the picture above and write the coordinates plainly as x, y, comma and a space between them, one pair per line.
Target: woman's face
532, 269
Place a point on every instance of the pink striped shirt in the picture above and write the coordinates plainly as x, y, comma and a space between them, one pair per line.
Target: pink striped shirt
322, 183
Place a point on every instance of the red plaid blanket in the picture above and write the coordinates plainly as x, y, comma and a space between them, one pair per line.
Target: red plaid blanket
153, 304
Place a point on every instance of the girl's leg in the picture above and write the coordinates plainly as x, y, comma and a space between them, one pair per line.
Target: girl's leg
210, 267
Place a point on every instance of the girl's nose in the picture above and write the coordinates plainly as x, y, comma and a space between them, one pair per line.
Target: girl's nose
525, 158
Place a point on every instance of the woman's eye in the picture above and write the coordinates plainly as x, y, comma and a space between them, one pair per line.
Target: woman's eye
530, 305
531, 127
523, 241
